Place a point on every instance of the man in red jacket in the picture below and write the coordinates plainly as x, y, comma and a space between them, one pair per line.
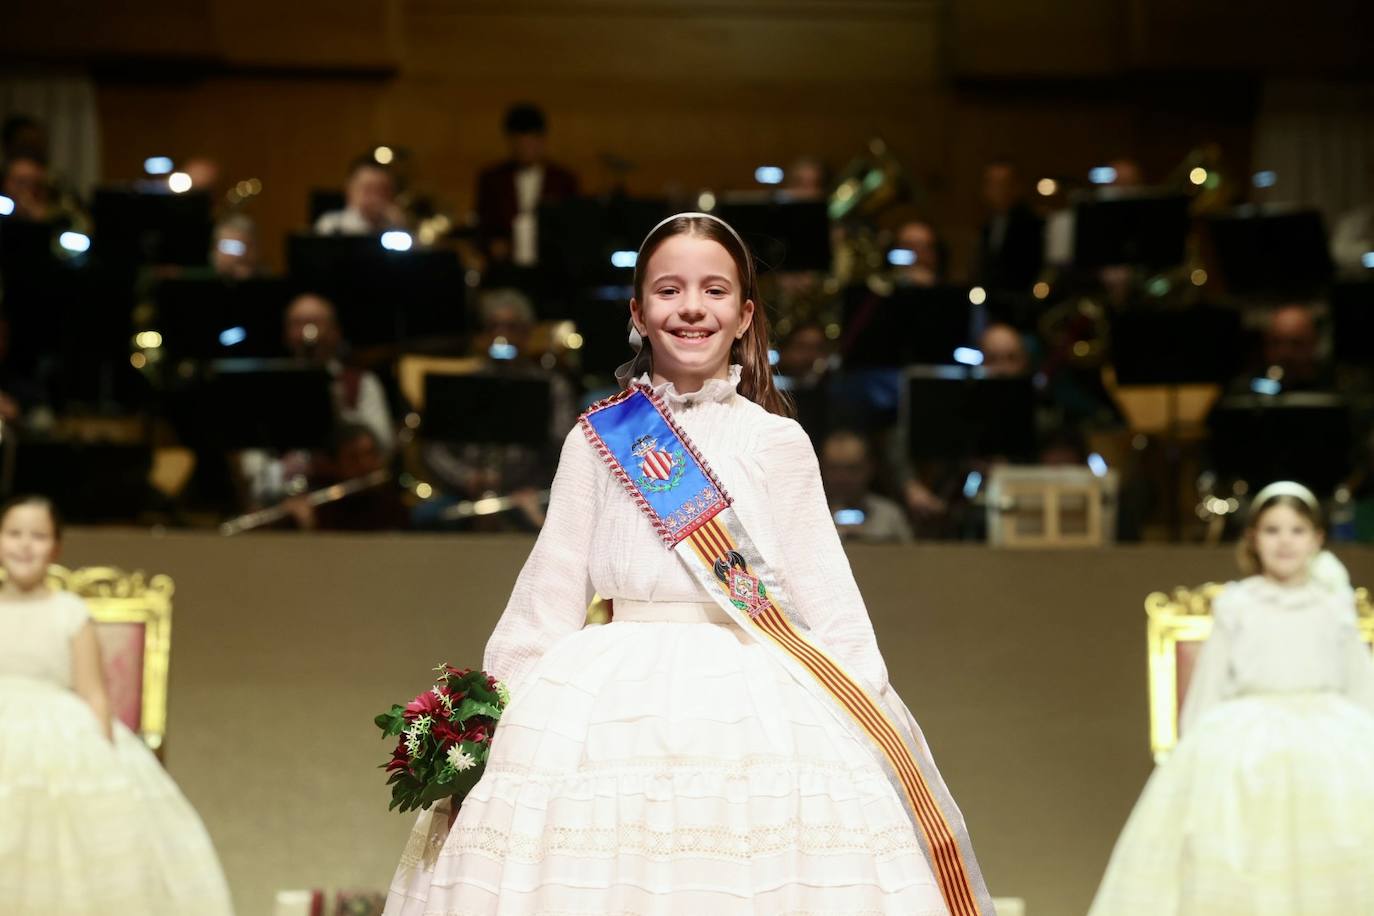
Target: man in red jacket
509, 194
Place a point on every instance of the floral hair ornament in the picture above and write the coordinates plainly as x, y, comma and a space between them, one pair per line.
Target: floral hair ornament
634, 366
1284, 488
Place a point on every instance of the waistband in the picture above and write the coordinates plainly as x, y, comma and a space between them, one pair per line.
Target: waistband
628, 610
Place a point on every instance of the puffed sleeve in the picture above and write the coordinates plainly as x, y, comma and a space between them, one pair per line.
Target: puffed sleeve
552, 592
72, 613
1359, 664
1211, 682
812, 566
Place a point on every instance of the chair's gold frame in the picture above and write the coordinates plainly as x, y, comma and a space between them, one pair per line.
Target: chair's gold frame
116, 596
1186, 616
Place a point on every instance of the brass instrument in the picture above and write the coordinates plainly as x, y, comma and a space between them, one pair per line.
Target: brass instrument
319, 497
868, 190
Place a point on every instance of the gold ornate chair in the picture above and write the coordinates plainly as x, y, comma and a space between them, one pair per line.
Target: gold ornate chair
1178, 625
133, 623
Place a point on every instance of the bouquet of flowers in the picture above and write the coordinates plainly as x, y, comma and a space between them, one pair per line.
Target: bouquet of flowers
444, 736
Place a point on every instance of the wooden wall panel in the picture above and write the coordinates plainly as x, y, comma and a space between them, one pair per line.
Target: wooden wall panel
695, 95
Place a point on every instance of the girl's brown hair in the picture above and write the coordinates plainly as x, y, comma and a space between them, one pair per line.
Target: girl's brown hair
33, 499
751, 350
1246, 554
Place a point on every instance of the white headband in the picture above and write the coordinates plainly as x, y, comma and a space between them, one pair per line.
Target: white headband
690, 215
1285, 488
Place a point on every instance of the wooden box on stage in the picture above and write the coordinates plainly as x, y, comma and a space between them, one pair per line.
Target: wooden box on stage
1051, 506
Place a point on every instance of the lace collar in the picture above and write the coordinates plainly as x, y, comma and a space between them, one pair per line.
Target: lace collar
715, 389
1287, 597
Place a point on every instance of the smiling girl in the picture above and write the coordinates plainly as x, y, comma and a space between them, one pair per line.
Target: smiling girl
1266, 805
90, 823
730, 744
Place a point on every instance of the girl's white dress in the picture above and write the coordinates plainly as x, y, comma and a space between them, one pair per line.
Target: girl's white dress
87, 828
665, 763
1266, 807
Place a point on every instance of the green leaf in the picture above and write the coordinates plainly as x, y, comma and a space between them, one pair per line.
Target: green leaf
392, 722
469, 708
479, 691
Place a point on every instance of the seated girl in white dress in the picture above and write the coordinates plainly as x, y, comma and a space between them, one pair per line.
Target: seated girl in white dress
1266, 807
90, 823
675, 761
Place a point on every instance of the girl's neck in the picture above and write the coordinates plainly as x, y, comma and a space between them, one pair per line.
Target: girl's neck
1293, 581
689, 383
12, 591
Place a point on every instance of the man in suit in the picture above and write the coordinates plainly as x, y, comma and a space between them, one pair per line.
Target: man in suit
1011, 244
509, 193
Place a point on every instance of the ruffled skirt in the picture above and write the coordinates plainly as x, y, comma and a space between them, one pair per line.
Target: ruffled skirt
1266, 809
88, 828
656, 768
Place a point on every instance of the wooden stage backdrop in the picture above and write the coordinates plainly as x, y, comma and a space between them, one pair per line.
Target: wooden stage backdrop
1026, 670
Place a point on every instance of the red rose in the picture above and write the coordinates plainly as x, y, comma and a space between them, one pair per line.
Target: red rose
477, 734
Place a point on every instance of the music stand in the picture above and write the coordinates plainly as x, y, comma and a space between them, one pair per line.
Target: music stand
382, 297
1271, 253
26, 242
89, 481
579, 235
912, 325
135, 227
956, 413
324, 200
784, 235
501, 408
812, 401
38, 289
1199, 345
1196, 345
1352, 320
70, 317
1148, 230
604, 326
213, 318
277, 404
1302, 436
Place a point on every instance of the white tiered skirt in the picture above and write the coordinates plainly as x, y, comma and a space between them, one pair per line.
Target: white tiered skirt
666, 764
90, 828
1266, 809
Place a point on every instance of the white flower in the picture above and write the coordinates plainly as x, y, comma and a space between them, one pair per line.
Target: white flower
418, 729
460, 759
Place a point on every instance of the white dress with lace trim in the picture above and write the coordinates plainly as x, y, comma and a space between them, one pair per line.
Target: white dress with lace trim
662, 767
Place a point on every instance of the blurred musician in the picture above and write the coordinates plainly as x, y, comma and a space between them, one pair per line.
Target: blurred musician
370, 206
509, 193
24, 180
1011, 243
312, 333
475, 469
